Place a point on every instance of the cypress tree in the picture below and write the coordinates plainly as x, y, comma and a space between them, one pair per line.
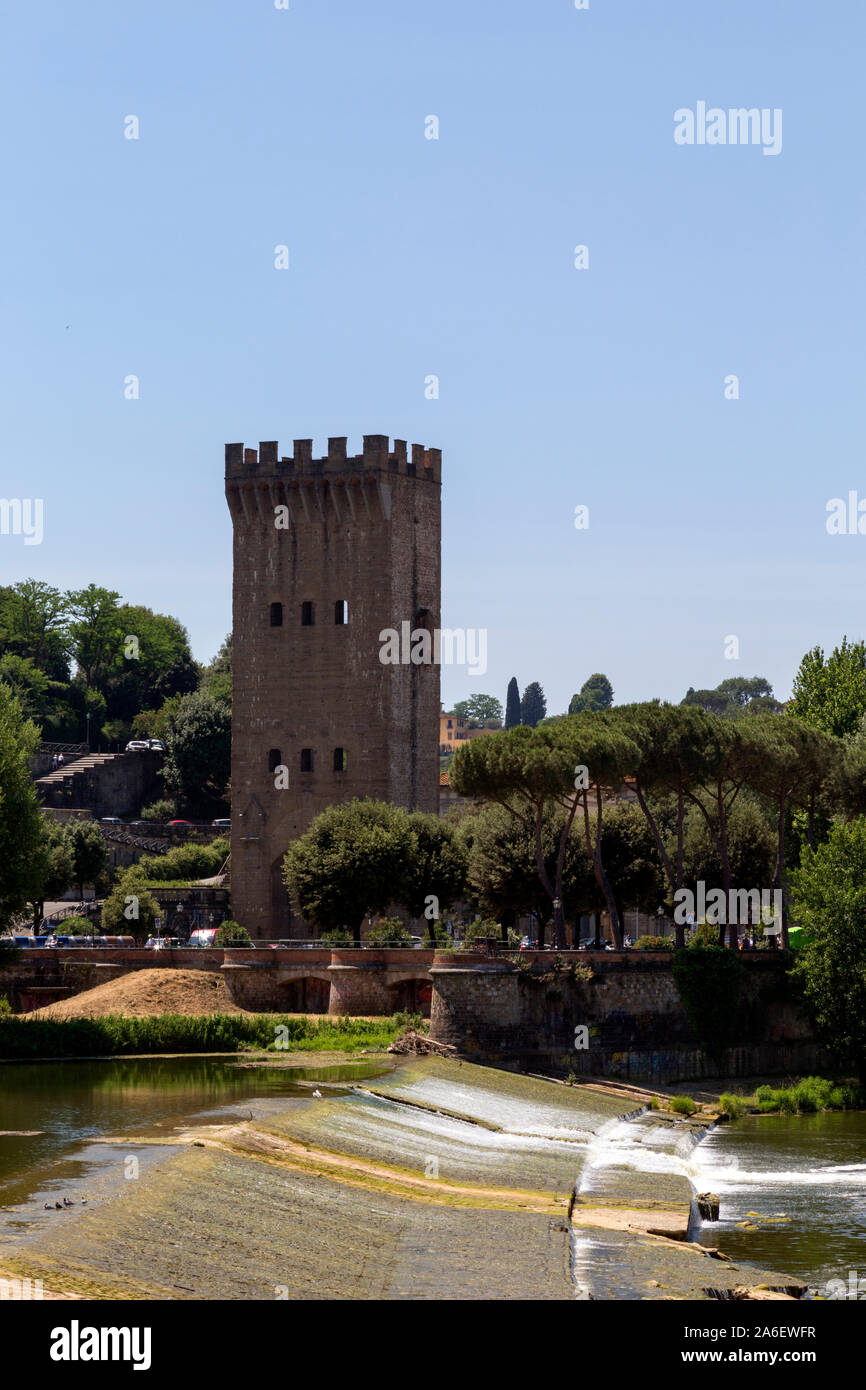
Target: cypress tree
533, 706
512, 704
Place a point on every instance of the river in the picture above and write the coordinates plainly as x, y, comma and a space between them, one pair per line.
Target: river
494, 1134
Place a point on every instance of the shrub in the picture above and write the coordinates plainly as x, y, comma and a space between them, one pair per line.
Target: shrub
337, 936
389, 931
653, 943
162, 809
732, 1106
705, 934
683, 1105
809, 1096
76, 926
5, 1007
231, 934
484, 929
187, 862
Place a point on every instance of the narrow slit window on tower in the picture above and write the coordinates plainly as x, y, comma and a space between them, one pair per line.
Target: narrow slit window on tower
274, 759
308, 617
306, 759
341, 760
276, 615
341, 612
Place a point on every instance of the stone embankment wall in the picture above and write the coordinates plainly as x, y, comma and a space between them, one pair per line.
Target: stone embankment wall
637, 1026
118, 786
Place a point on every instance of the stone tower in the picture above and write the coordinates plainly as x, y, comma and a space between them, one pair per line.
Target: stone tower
328, 553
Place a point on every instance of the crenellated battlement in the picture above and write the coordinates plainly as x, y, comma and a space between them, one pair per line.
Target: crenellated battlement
265, 463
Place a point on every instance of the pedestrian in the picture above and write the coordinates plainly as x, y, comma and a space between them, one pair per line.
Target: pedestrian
59, 759
53, 762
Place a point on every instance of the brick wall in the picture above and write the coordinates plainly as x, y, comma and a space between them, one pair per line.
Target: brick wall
364, 530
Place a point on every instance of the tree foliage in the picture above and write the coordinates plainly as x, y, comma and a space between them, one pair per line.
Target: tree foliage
830, 692
596, 693
349, 863
198, 752
24, 852
480, 711
533, 705
829, 901
512, 704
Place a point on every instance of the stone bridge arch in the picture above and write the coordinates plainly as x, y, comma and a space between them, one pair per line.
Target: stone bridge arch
411, 994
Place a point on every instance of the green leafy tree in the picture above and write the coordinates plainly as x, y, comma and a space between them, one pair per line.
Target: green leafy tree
790, 763
54, 867
95, 631
481, 711
503, 881
28, 684
595, 693
217, 677
198, 751
88, 851
829, 902
152, 662
33, 621
130, 910
736, 696
672, 744
728, 760
630, 858
349, 863
512, 704
436, 867
23, 851
830, 692
567, 764
752, 851
533, 706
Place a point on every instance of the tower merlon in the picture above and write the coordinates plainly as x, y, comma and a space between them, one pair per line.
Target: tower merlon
250, 465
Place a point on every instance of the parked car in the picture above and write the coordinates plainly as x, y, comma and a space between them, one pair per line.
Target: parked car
181, 822
203, 936
137, 745
156, 745
222, 824
139, 824
110, 820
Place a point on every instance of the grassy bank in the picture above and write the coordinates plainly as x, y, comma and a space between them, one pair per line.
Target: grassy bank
808, 1097
118, 1034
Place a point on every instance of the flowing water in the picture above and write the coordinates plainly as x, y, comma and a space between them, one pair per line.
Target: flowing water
809, 1169
476, 1130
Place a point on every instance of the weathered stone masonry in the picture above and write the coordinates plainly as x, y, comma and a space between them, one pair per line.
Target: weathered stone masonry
328, 553
490, 1009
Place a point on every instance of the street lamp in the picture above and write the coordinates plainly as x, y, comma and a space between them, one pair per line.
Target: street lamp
660, 919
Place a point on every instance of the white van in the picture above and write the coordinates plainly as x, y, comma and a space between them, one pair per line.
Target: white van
203, 936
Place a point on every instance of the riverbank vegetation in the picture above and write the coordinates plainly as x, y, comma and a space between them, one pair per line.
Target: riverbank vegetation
121, 1035
808, 1096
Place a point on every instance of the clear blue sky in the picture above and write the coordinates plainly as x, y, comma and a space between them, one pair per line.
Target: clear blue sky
455, 257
